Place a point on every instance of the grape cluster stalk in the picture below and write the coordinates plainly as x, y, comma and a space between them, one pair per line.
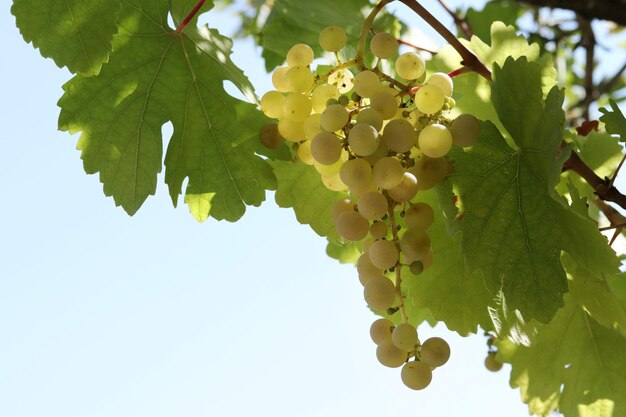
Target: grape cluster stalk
381, 138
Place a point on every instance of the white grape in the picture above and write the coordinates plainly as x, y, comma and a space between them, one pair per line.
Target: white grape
363, 139
406, 190
326, 148
415, 244
419, 216
388, 172
378, 230
379, 293
465, 130
399, 135
389, 355
333, 182
366, 84
435, 352
321, 95
366, 269
371, 117
416, 375
342, 79
381, 330
384, 45
491, 363
352, 226
279, 79
372, 205
443, 81
404, 336
430, 171
270, 136
356, 173
383, 254
290, 130
312, 126
333, 168
344, 204
332, 38
300, 55
334, 118
272, 104
385, 103
435, 141
410, 66
300, 79
429, 99
296, 107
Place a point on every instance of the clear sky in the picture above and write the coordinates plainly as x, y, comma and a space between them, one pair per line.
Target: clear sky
156, 315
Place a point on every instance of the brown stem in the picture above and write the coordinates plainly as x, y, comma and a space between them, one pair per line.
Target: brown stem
419, 48
588, 41
459, 71
190, 16
462, 23
468, 58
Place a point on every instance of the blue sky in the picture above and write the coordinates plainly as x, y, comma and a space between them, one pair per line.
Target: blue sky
159, 316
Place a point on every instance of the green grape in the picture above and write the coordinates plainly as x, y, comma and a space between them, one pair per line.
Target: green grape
410, 66
331, 169
429, 99
363, 139
385, 103
366, 269
279, 79
414, 244
356, 173
366, 84
304, 153
404, 336
388, 173
270, 137
380, 152
416, 375
435, 352
465, 130
435, 141
416, 267
381, 330
379, 292
491, 363
300, 55
443, 81
333, 182
342, 79
406, 190
326, 148
300, 79
272, 104
290, 130
332, 38
419, 216
370, 117
430, 171
296, 107
372, 205
399, 135
334, 118
312, 126
321, 95
384, 45
344, 204
383, 254
378, 230
352, 226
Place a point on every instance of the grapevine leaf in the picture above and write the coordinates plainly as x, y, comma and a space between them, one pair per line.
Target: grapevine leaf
448, 289
506, 12
300, 187
508, 201
575, 352
295, 21
74, 33
156, 75
614, 120
344, 252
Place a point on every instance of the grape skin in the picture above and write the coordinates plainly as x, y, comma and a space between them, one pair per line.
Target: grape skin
379, 293
399, 135
406, 190
366, 84
300, 55
383, 254
371, 117
363, 139
410, 66
491, 363
384, 45
404, 336
352, 226
332, 38
435, 351
443, 81
326, 148
372, 205
381, 330
270, 137
334, 118
385, 103
429, 99
416, 375
419, 216
435, 140
272, 104
388, 173
389, 355
465, 130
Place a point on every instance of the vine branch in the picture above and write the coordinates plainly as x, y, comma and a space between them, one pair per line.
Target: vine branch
462, 23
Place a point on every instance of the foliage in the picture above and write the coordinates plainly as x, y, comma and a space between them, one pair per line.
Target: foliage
524, 258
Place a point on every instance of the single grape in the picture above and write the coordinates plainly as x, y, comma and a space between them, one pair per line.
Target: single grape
388, 173
366, 84
384, 45
435, 141
371, 117
279, 79
389, 355
385, 103
399, 135
465, 130
300, 79
419, 216
410, 66
416, 375
344, 204
296, 107
430, 171
435, 352
334, 118
443, 81
429, 99
304, 153
383, 254
326, 148
333, 182
416, 267
378, 230
372, 205
366, 269
300, 55
270, 137
332, 38
414, 244
363, 139
333, 168
379, 292
352, 226
404, 336
381, 330
406, 190
342, 79
312, 126
356, 173
272, 104
380, 152
290, 130
491, 363
321, 95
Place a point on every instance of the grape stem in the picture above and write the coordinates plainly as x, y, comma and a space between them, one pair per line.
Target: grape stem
468, 58
398, 268
190, 16
347, 64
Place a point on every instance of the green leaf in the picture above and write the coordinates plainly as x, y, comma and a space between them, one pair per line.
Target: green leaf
296, 21
506, 12
154, 76
448, 289
575, 352
74, 33
508, 200
301, 187
614, 120
344, 252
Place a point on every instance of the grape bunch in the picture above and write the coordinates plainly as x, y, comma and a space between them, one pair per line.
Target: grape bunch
379, 138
